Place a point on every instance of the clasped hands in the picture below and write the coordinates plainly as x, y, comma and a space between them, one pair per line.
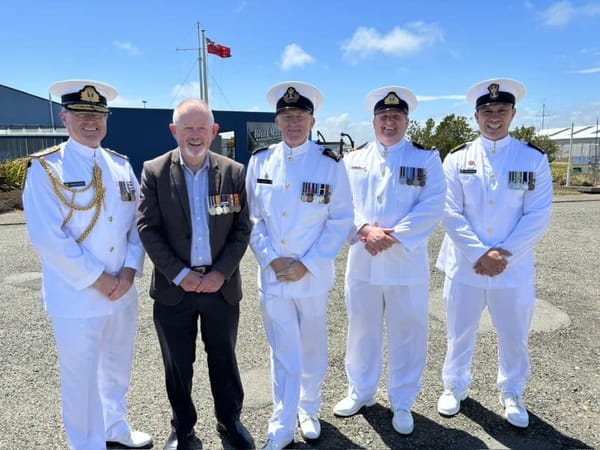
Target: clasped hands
115, 286
492, 263
202, 283
376, 239
288, 269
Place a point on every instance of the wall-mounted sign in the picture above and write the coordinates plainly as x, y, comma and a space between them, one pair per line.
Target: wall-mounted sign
262, 134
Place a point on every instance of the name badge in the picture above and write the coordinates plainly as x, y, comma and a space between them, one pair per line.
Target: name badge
468, 170
71, 184
264, 181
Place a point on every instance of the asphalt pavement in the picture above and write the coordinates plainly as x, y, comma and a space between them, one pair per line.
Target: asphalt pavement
562, 397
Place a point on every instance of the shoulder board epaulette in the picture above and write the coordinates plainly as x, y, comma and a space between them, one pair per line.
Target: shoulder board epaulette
458, 147
535, 147
116, 153
332, 154
421, 147
45, 152
41, 154
259, 149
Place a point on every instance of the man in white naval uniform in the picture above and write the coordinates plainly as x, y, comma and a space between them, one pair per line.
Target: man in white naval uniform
80, 202
497, 207
301, 209
398, 189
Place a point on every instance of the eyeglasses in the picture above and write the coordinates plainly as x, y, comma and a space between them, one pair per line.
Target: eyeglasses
88, 115
298, 118
392, 117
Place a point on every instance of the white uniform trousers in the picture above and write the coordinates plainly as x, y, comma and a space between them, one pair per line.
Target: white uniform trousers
297, 333
95, 357
511, 310
406, 315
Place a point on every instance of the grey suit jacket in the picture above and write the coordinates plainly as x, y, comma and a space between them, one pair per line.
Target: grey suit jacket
164, 224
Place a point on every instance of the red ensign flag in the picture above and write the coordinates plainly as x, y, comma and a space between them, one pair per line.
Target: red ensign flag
217, 49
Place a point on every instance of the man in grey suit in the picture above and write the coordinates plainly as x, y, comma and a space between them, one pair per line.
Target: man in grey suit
193, 221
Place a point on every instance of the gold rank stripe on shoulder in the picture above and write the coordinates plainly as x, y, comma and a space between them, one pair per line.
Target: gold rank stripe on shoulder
421, 147
120, 155
529, 144
41, 154
332, 154
46, 151
459, 147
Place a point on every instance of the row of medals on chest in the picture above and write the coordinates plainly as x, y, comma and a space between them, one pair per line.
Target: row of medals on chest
224, 204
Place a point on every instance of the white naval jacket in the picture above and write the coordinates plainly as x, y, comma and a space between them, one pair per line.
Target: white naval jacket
499, 195
388, 188
285, 225
68, 268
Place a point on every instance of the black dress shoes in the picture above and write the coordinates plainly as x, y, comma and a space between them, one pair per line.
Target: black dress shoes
172, 443
237, 434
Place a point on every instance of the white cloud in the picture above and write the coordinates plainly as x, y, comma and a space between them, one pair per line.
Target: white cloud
431, 98
294, 56
241, 6
560, 14
413, 38
590, 51
127, 47
590, 70
591, 9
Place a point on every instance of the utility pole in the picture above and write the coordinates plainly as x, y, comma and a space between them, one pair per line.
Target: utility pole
568, 183
543, 115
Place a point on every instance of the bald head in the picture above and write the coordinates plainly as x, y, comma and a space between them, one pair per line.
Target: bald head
191, 105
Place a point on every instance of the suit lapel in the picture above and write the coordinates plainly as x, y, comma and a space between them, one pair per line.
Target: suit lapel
178, 180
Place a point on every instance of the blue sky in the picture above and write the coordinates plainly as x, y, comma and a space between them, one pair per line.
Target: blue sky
346, 48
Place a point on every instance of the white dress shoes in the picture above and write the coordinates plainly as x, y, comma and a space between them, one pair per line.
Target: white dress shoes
275, 445
403, 421
310, 427
449, 401
515, 412
132, 439
349, 406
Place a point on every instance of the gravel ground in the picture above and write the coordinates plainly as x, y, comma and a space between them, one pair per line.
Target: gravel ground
562, 396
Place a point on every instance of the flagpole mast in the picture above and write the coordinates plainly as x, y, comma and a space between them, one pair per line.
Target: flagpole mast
200, 62
204, 76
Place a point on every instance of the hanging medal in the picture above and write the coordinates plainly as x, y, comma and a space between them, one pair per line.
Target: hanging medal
327, 195
531, 183
237, 207
225, 202
310, 195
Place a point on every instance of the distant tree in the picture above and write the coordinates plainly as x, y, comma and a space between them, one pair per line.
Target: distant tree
527, 134
451, 131
422, 135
